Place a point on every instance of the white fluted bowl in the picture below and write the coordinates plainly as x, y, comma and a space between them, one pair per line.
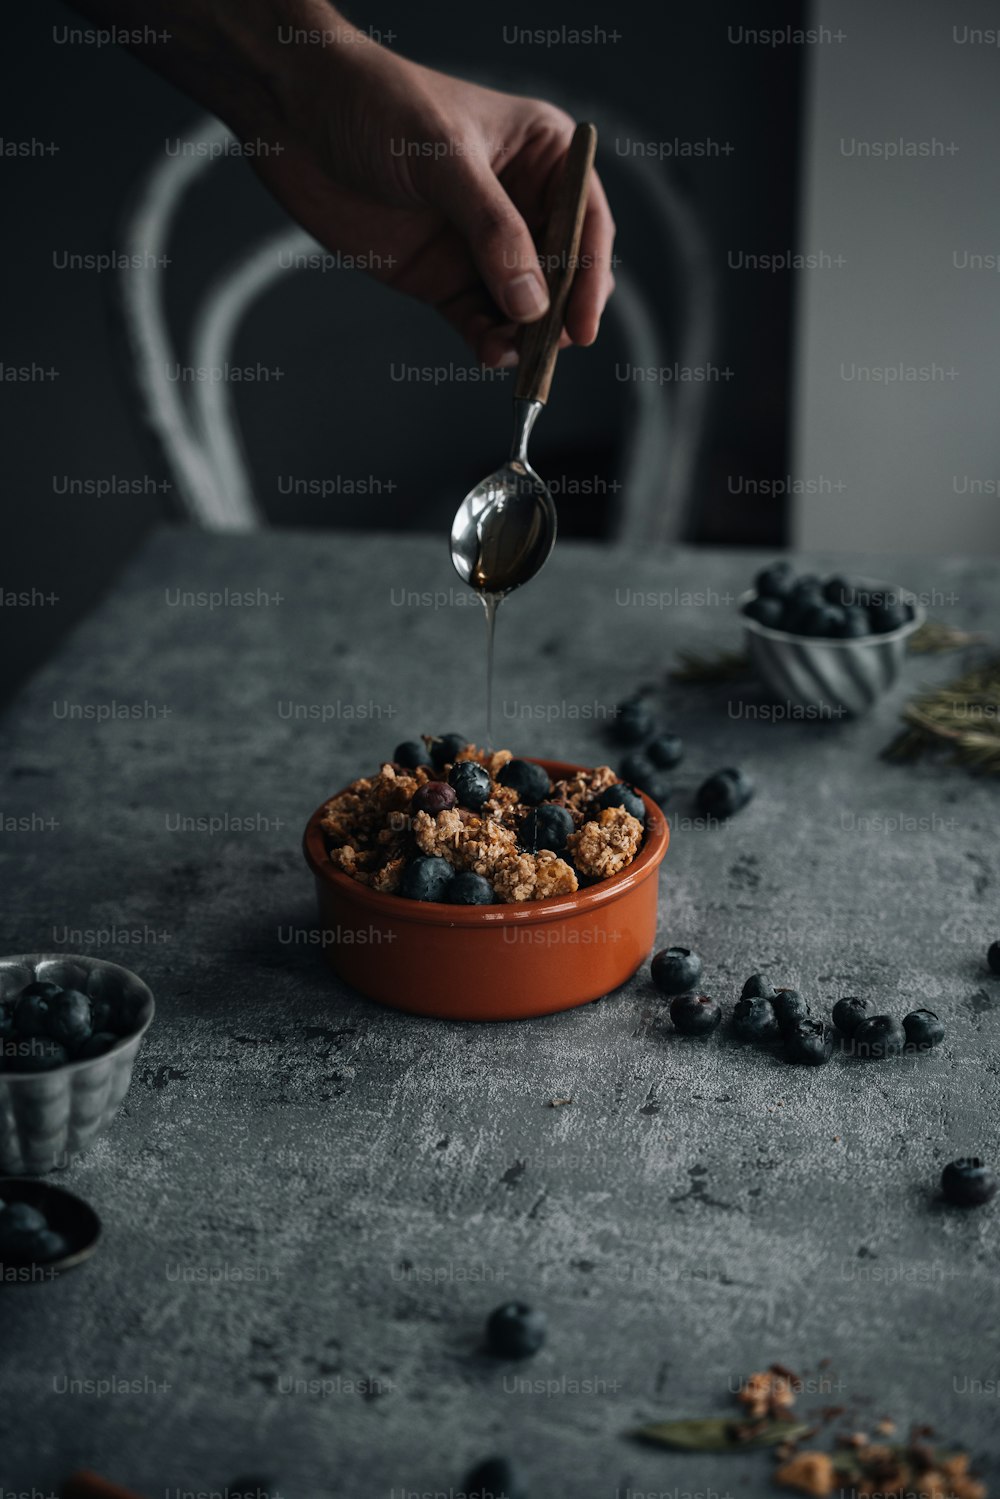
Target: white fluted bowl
826, 677
47, 1117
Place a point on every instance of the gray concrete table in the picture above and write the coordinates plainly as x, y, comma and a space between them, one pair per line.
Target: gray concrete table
311, 1203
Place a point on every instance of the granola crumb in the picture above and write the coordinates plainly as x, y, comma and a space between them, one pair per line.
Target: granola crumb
607, 845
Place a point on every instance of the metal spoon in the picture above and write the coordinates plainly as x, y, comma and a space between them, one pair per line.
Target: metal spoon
505, 528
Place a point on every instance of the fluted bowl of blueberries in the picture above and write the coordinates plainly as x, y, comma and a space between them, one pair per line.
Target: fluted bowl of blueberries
70, 1030
829, 646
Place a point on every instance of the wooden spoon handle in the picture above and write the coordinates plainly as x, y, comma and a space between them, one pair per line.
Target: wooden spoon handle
560, 251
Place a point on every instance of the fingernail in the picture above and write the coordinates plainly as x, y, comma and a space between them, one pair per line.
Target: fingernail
525, 298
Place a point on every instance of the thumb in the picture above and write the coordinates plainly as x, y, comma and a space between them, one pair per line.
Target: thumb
467, 191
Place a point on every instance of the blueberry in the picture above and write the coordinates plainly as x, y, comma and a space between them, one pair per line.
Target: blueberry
633, 721
790, 1008
471, 783
854, 625
775, 581
888, 615
757, 987
666, 751
637, 768
816, 620
69, 1020
993, 957
849, 1013
548, 826
48, 1246
837, 590
95, 1046
35, 1054
496, 1478
435, 797
410, 754
754, 1020
426, 878
724, 793
33, 1006
808, 1042
21, 1217
530, 781
878, 1036
620, 795
444, 749
695, 1014
469, 889
515, 1330
676, 970
766, 611
968, 1183
807, 588
923, 1030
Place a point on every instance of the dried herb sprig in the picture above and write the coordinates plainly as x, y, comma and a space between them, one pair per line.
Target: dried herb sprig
934, 636
961, 718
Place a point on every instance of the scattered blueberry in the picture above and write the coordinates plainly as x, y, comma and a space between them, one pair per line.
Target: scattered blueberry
469, 889
878, 1036
757, 987
775, 581
676, 970
666, 751
32, 1008
620, 795
766, 611
548, 826
923, 1030
633, 721
530, 781
724, 793
435, 797
69, 1020
993, 957
445, 747
95, 1046
695, 1014
968, 1183
636, 769
426, 878
411, 753
471, 783
848, 1014
496, 1478
515, 1330
808, 1042
789, 1007
754, 1020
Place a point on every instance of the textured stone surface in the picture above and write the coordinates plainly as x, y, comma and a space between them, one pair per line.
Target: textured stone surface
696, 1211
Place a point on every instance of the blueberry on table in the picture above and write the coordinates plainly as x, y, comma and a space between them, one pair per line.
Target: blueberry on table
547, 826
993, 957
766, 611
808, 1042
666, 751
69, 1019
470, 782
848, 1014
775, 581
923, 1030
637, 769
515, 1330
95, 1046
620, 795
496, 1478
724, 793
435, 797
530, 781
426, 878
410, 754
879, 1036
469, 889
32, 1007
754, 1020
445, 747
789, 1007
695, 1014
676, 970
757, 987
634, 721
967, 1182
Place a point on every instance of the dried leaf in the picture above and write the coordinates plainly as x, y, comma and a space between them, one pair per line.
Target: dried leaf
717, 666
935, 636
720, 1434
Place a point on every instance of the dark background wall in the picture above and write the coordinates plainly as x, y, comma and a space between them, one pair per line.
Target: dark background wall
673, 74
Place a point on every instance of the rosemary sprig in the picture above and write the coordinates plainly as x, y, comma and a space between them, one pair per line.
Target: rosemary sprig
717, 666
962, 717
935, 636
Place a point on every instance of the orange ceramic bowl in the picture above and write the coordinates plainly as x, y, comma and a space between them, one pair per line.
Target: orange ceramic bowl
502, 962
